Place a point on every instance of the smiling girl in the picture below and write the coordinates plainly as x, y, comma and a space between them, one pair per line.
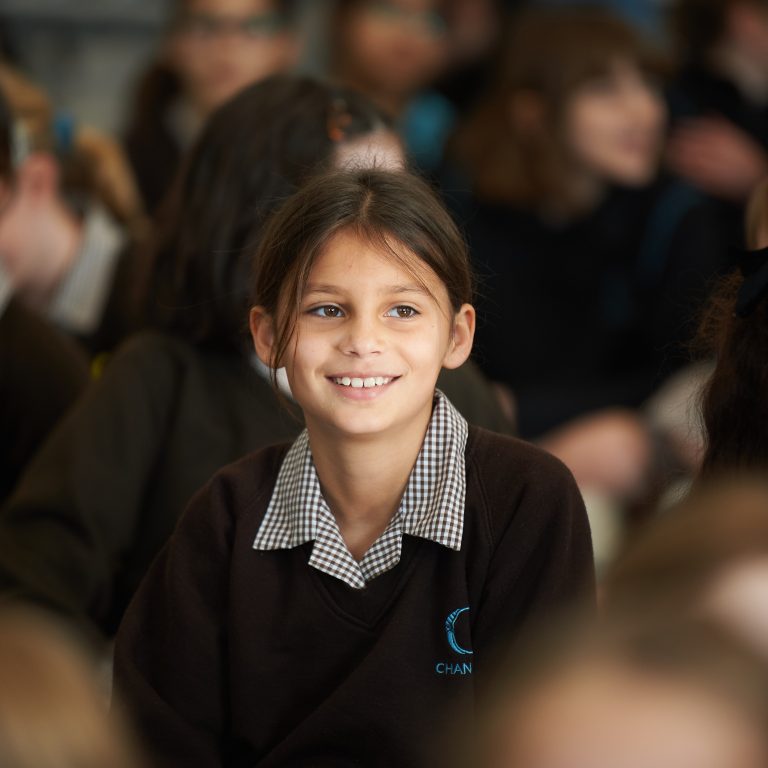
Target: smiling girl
325, 603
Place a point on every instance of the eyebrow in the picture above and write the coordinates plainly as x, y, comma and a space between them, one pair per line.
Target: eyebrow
389, 289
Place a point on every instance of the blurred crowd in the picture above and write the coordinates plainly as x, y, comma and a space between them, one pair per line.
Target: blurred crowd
611, 185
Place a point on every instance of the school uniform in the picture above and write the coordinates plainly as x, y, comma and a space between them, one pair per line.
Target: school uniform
257, 640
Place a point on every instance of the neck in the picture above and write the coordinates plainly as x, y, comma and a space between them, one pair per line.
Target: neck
363, 479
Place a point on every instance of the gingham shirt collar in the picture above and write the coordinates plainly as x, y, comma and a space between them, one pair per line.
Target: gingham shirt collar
432, 506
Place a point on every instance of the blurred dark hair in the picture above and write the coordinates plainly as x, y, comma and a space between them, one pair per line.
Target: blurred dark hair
548, 54
253, 153
734, 403
6, 139
386, 208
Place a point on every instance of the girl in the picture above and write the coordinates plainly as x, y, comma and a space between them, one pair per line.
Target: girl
575, 234
177, 403
325, 603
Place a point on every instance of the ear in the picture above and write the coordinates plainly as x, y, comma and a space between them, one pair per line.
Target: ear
461, 340
38, 177
262, 333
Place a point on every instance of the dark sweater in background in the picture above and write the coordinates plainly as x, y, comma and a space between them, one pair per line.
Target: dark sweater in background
237, 657
593, 313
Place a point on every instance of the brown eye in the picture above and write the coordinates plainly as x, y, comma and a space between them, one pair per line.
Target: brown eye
403, 312
327, 310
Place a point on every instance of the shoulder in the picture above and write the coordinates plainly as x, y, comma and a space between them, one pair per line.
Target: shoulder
501, 461
515, 482
242, 490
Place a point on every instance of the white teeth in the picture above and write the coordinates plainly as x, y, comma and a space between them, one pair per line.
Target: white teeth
357, 383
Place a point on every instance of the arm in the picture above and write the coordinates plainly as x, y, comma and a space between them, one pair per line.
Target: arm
542, 550
170, 650
76, 510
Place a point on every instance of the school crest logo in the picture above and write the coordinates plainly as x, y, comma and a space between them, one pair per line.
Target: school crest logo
455, 667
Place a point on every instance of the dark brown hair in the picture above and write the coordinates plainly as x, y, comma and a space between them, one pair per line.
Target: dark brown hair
548, 55
386, 208
734, 403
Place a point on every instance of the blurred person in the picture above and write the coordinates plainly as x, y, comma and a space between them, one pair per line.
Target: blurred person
177, 403
393, 51
591, 263
212, 49
707, 556
719, 100
41, 371
53, 713
635, 694
70, 217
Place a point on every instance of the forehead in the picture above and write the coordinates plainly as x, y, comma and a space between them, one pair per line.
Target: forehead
353, 262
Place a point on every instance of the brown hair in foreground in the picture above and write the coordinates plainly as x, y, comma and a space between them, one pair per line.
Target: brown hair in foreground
52, 713
645, 692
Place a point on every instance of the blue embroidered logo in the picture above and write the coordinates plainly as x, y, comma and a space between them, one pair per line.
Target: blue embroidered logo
450, 629
454, 668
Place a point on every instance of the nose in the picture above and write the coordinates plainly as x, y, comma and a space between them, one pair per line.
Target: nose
362, 337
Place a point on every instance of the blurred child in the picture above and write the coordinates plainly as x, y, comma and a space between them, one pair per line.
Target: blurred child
324, 603
393, 51
41, 371
636, 695
212, 49
719, 100
591, 265
175, 404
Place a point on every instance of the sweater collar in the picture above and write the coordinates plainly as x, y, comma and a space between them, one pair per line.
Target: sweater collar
432, 506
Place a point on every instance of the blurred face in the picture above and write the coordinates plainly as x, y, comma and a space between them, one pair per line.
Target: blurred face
614, 126
221, 46
394, 46
603, 717
370, 341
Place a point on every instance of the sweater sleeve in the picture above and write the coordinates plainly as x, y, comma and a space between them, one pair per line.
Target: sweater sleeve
76, 510
170, 650
541, 557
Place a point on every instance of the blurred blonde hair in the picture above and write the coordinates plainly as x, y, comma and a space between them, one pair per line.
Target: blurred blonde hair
52, 714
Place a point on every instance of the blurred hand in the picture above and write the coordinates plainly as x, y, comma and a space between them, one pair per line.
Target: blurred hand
39, 237
608, 451
718, 157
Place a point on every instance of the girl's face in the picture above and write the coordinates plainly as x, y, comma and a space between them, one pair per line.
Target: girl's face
369, 341
395, 46
614, 126
221, 46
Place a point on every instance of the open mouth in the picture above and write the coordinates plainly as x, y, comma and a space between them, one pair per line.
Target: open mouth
370, 382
